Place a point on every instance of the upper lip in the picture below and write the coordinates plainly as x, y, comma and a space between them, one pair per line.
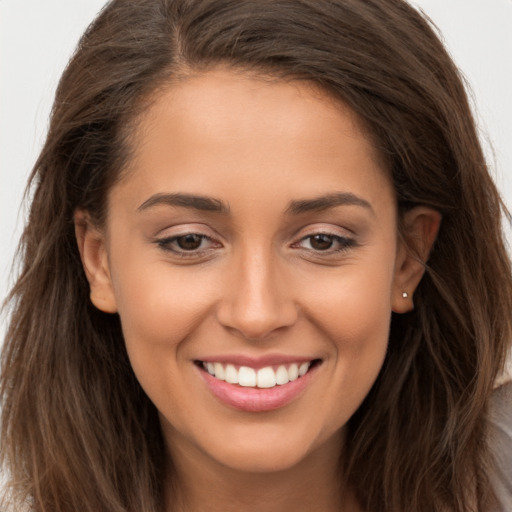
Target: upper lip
257, 362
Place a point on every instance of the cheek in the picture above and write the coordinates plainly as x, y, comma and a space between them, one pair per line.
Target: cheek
357, 323
160, 308
158, 303
353, 303
353, 311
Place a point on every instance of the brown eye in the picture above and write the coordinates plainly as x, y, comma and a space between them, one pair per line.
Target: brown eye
326, 243
189, 245
190, 242
321, 242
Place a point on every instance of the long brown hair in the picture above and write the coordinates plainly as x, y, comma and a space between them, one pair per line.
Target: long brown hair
78, 433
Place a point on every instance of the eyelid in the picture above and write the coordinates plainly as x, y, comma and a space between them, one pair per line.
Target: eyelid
187, 228
339, 234
207, 234
331, 227
345, 243
173, 238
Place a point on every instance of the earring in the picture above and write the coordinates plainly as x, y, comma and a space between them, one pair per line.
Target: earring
405, 295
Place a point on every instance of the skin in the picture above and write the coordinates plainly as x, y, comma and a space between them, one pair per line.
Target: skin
258, 283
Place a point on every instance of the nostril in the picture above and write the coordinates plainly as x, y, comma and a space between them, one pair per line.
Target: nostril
255, 335
256, 324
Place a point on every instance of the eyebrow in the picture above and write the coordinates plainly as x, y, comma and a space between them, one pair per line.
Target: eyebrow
211, 204
203, 203
327, 201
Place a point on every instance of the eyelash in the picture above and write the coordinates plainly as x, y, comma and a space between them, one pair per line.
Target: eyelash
342, 244
166, 245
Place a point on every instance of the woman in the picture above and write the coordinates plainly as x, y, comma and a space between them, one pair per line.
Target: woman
225, 302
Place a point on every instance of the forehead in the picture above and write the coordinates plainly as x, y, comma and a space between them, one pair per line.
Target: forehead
226, 132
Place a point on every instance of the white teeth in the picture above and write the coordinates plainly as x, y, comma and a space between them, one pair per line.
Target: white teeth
282, 376
266, 377
293, 372
303, 369
246, 377
263, 378
231, 374
219, 371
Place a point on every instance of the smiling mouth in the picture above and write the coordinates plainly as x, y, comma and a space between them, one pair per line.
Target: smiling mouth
262, 378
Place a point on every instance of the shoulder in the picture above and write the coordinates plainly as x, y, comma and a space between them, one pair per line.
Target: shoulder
500, 440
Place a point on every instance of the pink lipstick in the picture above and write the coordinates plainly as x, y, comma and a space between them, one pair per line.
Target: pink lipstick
257, 385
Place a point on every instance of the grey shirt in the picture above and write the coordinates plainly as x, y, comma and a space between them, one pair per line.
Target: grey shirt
500, 419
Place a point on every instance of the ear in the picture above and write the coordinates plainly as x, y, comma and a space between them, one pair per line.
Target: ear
420, 228
92, 248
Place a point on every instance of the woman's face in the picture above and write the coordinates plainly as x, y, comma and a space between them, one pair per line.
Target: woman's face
253, 238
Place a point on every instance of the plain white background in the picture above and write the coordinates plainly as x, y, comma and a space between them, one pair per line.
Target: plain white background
37, 38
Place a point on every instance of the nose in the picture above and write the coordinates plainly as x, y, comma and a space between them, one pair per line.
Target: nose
257, 301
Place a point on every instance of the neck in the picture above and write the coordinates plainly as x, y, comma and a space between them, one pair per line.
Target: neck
197, 483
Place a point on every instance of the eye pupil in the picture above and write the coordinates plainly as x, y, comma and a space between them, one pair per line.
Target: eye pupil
189, 242
321, 242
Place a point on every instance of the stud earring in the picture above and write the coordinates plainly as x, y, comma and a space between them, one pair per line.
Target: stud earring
405, 295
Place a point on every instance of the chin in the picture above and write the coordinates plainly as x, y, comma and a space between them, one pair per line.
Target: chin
255, 459
268, 448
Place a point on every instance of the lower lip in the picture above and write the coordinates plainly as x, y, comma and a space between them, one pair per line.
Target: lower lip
257, 399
